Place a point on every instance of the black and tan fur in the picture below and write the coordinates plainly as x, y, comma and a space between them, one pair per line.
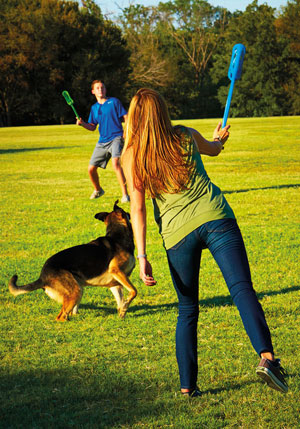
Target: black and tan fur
107, 261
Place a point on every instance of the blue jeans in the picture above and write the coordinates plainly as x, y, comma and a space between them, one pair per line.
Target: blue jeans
224, 240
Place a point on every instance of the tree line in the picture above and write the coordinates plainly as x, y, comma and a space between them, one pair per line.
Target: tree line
180, 47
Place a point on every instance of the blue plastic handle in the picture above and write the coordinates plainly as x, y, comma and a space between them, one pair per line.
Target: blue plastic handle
234, 73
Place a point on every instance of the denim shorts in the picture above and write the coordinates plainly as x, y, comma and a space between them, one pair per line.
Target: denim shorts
104, 151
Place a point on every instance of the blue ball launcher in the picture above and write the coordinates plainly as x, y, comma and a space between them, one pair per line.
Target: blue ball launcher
234, 73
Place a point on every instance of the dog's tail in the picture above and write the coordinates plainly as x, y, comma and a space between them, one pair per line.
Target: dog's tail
19, 290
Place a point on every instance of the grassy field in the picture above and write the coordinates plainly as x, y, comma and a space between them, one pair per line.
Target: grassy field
98, 371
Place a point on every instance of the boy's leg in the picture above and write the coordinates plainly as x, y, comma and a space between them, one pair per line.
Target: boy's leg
120, 175
99, 158
93, 173
116, 150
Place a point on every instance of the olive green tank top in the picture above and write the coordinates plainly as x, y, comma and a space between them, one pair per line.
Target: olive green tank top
180, 213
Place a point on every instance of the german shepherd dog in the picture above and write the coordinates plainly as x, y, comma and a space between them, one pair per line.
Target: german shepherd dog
107, 261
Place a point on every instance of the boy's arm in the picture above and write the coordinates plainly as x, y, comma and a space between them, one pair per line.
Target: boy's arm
124, 119
86, 125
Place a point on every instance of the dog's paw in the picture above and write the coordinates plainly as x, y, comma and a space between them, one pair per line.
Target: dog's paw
62, 317
122, 312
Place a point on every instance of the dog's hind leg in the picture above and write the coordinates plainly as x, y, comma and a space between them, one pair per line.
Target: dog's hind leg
76, 307
65, 289
117, 292
69, 303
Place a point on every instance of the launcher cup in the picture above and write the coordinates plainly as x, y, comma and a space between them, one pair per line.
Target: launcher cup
234, 73
70, 102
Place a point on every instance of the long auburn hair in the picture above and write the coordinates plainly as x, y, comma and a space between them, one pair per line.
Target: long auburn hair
160, 164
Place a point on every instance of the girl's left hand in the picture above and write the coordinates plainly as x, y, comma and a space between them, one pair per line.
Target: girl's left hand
146, 272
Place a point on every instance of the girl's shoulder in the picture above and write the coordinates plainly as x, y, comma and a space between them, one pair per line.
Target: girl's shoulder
180, 129
183, 132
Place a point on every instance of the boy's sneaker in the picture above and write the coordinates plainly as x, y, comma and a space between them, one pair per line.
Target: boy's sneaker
273, 374
97, 194
125, 199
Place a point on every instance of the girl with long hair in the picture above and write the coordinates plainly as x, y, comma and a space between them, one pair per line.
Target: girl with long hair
165, 163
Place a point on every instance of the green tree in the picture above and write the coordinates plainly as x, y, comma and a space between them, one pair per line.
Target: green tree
148, 66
14, 52
288, 29
50, 45
171, 48
260, 91
196, 28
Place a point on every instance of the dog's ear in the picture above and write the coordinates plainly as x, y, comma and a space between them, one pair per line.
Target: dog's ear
101, 216
116, 207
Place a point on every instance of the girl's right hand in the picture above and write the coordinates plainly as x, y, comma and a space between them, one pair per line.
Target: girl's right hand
221, 134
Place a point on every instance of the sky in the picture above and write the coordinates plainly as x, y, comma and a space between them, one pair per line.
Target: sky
114, 7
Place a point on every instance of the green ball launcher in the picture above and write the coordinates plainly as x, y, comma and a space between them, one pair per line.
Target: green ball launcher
70, 102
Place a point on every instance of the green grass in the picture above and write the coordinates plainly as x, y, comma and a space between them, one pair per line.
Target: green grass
98, 371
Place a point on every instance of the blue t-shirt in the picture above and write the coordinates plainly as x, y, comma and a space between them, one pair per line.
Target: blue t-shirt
109, 118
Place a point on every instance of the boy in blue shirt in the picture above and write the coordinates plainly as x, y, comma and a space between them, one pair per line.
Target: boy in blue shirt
108, 113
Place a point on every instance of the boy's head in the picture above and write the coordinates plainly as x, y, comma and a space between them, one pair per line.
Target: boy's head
96, 81
98, 89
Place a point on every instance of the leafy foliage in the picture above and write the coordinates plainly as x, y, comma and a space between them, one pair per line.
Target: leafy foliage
260, 91
287, 26
148, 66
51, 45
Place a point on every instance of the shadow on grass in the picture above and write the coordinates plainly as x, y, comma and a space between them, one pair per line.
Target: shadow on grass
216, 301
238, 386
261, 295
229, 386
262, 189
91, 397
76, 398
105, 309
32, 149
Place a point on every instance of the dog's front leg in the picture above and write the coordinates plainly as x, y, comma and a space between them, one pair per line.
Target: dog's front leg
117, 292
124, 281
